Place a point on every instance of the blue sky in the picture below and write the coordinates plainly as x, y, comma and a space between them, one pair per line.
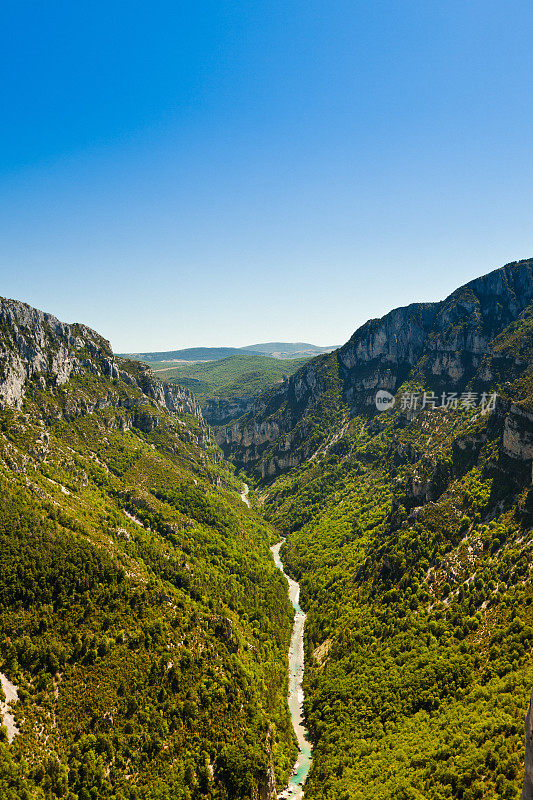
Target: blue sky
220, 173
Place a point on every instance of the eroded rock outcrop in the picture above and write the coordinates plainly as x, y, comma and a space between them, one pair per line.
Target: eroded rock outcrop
267, 790
518, 434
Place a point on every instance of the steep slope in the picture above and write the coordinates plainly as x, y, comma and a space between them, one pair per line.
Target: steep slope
445, 344
142, 619
411, 534
527, 789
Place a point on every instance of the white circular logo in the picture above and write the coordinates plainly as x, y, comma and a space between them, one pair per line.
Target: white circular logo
384, 400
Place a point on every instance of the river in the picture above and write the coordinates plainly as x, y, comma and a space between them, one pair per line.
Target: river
294, 791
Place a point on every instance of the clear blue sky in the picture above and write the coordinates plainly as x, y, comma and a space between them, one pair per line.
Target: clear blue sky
222, 173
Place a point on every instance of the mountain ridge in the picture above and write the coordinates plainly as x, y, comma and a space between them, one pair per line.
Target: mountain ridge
35, 347
282, 350
446, 342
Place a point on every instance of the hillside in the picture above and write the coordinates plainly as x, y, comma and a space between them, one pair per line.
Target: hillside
226, 388
411, 533
228, 378
142, 619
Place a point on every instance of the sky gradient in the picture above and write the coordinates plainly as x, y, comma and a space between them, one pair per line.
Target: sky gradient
220, 173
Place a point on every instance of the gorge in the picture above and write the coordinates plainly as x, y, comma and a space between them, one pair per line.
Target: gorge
144, 614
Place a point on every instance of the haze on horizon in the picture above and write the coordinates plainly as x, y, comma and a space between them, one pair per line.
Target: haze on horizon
218, 174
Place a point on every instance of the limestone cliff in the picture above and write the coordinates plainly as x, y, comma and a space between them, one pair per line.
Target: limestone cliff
220, 412
39, 351
449, 345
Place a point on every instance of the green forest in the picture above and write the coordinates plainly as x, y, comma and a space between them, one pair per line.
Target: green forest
146, 627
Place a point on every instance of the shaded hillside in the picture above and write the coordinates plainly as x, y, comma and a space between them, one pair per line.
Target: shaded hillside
141, 616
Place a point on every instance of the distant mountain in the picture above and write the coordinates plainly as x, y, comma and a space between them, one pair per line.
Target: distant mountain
274, 349
191, 354
289, 349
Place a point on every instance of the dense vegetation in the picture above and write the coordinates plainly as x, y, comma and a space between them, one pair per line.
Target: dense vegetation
236, 376
141, 615
146, 627
411, 536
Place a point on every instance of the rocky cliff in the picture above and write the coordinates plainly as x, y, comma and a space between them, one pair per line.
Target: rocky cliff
447, 346
267, 789
220, 412
37, 351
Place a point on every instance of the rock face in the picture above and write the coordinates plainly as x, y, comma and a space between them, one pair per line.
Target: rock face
6, 717
527, 791
448, 343
518, 434
36, 349
219, 412
37, 345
